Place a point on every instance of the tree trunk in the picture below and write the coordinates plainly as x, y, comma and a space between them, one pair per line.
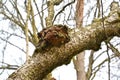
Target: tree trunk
80, 69
79, 13
79, 64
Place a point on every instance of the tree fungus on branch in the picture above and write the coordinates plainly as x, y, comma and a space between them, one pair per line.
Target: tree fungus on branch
55, 35
89, 37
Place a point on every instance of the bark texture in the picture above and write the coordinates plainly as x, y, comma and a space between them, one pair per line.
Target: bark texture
79, 12
79, 62
85, 38
80, 69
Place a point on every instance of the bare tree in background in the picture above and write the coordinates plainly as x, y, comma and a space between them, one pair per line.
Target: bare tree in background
79, 61
29, 17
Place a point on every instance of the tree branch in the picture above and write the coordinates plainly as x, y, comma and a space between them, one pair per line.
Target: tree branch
40, 16
90, 65
63, 9
33, 25
8, 66
26, 28
84, 39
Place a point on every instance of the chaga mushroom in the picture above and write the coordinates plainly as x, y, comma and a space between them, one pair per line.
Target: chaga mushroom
53, 36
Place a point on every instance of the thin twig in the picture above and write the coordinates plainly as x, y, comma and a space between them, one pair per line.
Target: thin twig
63, 9
8, 66
90, 66
106, 42
12, 44
108, 61
40, 17
114, 50
12, 34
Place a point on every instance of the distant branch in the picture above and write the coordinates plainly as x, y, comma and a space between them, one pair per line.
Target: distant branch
41, 17
63, 9
90, 66
12, 44
97, 68
114, 50
12, 34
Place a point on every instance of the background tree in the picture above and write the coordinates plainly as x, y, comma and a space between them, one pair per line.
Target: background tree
79, 61
25, 18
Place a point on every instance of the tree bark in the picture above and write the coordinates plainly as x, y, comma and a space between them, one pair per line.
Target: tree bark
79, 62
81, 39
80, 69
79, 13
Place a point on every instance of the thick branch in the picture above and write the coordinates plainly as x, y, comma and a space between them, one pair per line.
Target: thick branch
44, 62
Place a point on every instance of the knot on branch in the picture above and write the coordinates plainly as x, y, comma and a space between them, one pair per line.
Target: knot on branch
53, 36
